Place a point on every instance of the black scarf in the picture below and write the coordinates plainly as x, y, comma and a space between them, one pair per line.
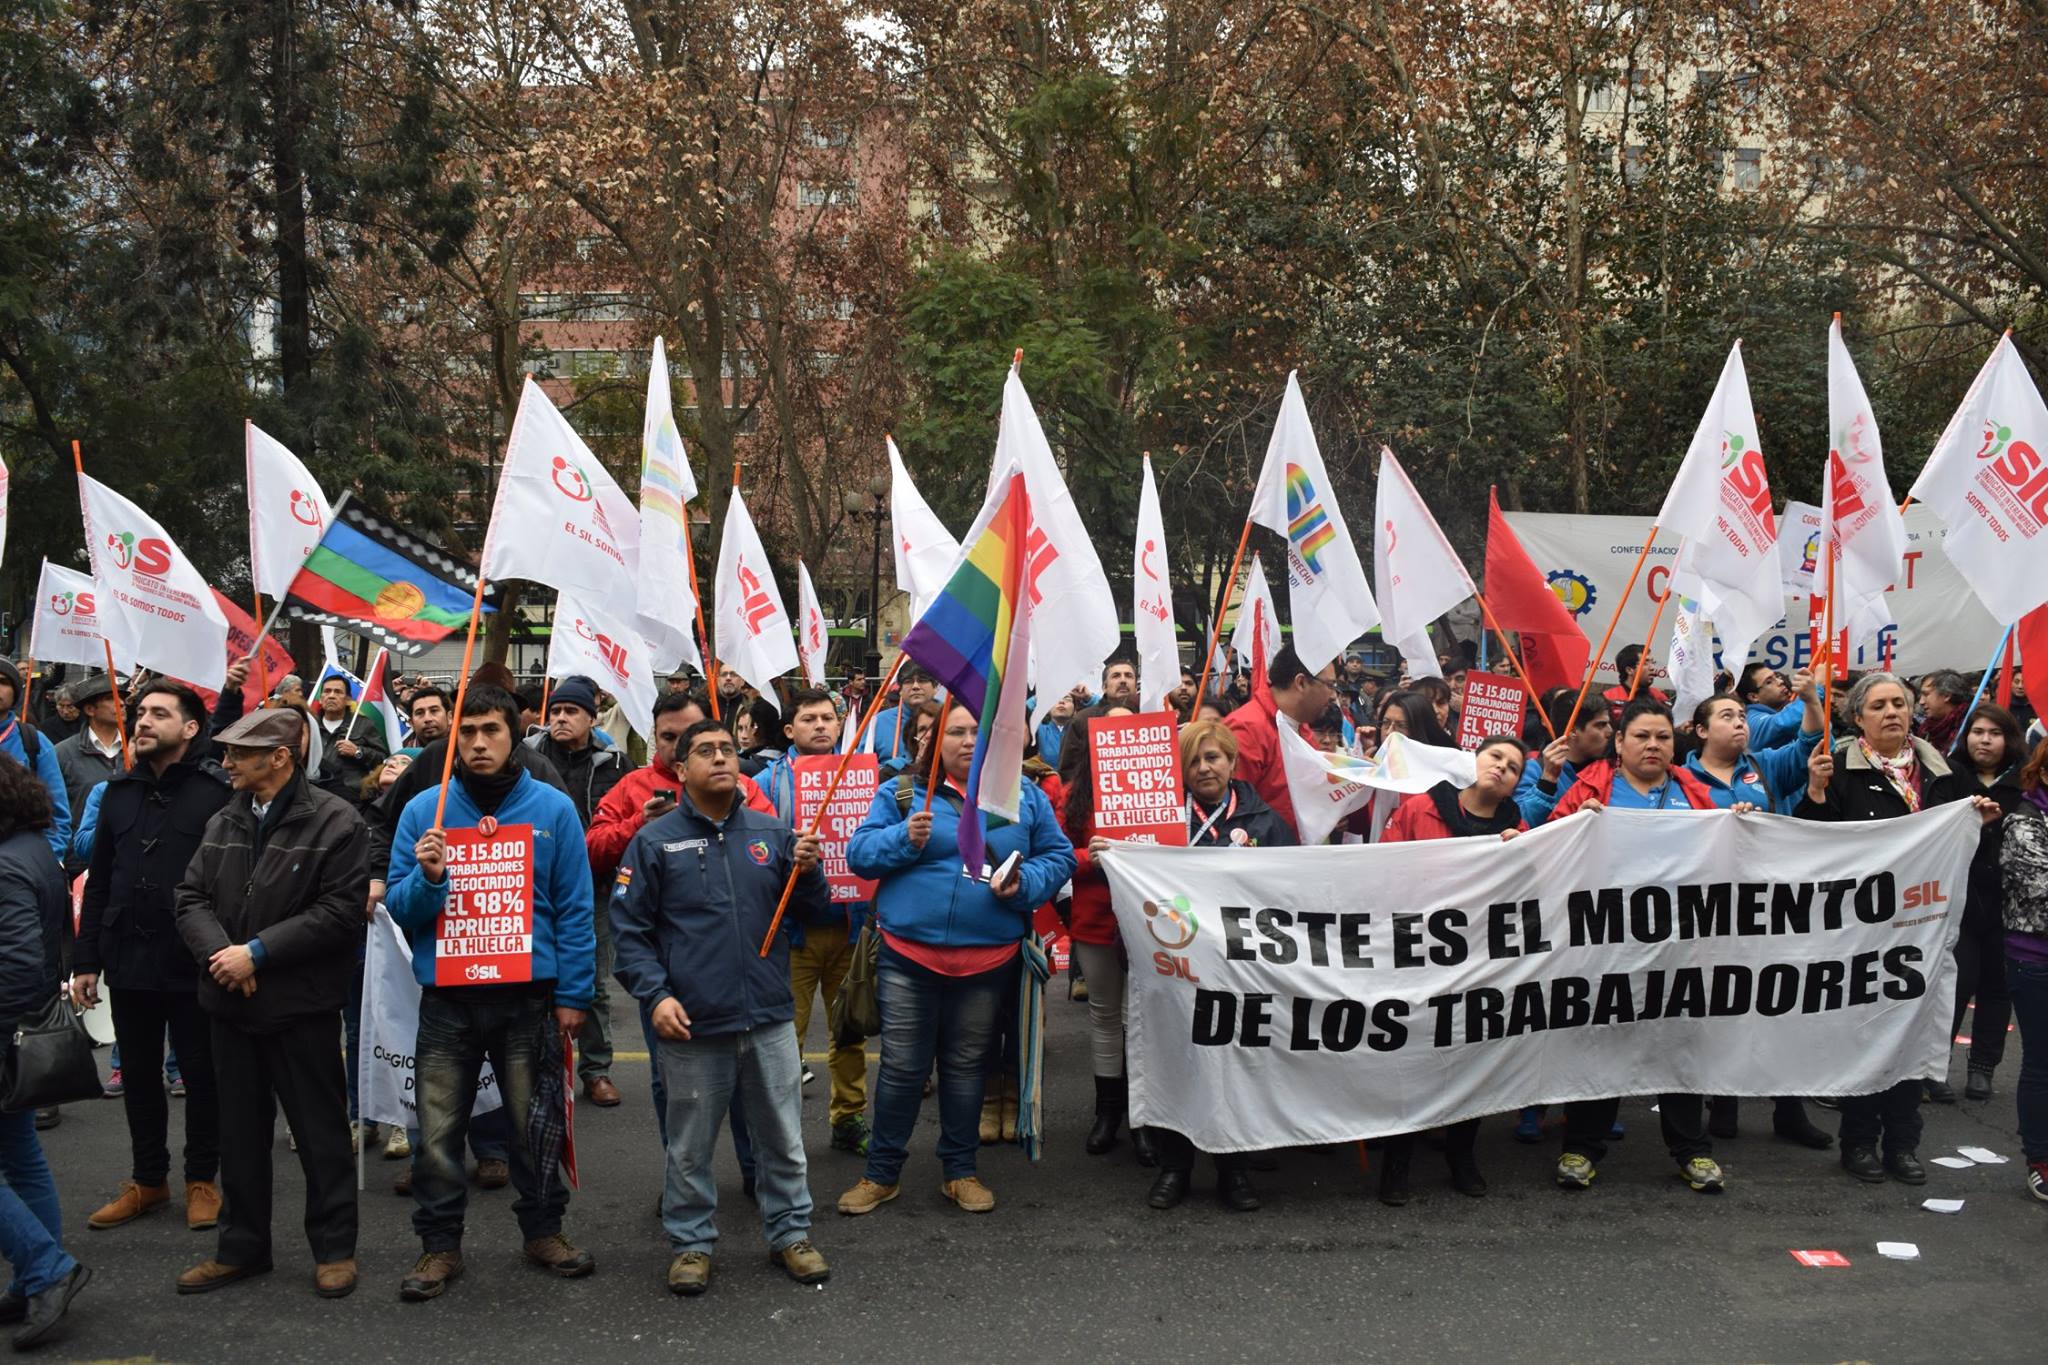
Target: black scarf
1463, 823
490, 792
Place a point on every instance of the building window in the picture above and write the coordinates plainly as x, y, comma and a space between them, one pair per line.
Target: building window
832, 134
812, 195
1746, 166
1604, 98
1635, 163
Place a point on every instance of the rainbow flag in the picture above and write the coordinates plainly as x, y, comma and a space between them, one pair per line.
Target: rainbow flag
975, 640
381, 581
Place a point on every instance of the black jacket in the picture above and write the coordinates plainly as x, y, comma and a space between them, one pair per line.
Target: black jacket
586, 773
33, 909
149, 829
313, 865
1983, 915
1859, 791
1250, 823
425, 773
344, 775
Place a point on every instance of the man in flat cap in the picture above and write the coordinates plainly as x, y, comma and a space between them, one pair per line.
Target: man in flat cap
276, 965
93, 753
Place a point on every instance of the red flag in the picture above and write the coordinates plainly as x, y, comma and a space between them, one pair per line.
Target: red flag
2030, 641
1554, 649
277, 661
2005, 674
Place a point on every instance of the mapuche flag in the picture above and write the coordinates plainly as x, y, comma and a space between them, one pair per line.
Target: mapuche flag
381, 581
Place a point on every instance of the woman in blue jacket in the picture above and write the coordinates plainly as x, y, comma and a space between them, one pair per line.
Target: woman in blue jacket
949, 950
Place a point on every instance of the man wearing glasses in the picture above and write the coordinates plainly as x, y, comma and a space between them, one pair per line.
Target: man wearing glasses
695, 894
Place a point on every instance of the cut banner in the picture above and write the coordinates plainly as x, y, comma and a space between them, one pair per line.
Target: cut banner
391, 1026
1314, 995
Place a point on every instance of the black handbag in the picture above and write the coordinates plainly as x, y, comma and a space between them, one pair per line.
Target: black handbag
50, 1062
857, 1012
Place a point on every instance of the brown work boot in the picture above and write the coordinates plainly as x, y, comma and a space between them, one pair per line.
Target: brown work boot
335, 1279
129, 1203
558, 1254
212, 1274
431, 1275
802, 1263
202, 1204
970, 1194
601, 1092
493, 1174
689, 1274
865, 1197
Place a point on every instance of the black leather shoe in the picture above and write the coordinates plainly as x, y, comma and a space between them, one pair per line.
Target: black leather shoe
1168, 1189
46, 1310
1862, 1163
1905, 1168
13, 1307
1802, 1132
1111, 1096
1978, 1086
1393, 1180
1144, 1148
1465, 1177
1941, 1092
1234, 1188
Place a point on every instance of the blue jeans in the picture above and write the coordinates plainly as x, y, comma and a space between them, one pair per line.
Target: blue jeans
490, 1136
31, 1228
762, 1068
458, 1029
2028, 984
927, 1015
736, 1112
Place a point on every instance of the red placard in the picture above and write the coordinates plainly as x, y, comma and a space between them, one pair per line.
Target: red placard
1135, 761
1492, 705
813, 773
484, 935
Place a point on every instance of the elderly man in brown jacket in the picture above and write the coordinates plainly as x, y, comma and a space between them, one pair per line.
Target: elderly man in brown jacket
272, 909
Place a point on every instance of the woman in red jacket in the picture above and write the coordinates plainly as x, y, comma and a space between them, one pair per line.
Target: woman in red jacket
1641, 776
1487, 810
1097, 945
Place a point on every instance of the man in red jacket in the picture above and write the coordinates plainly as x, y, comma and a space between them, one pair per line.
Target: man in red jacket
1299, 695
647, 792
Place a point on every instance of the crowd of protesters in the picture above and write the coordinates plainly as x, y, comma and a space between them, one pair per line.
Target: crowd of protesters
231, 856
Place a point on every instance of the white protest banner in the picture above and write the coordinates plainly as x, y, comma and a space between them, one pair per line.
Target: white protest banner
1327, 787
559, 518
484, 933
925, 550
1799, 549
1152, 603
812, 775
1859, 516
603, 648
667, 598
1416, 574
751, 632
810, 628
1313, 995
164, 608
68, 626
390, 1032
1329, 603
1256, 638
287, 510
1587, 562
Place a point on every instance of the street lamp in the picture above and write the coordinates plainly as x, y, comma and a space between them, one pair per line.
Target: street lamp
872, 504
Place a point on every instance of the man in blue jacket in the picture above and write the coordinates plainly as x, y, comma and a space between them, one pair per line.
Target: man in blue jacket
20, 742
695, 894
522, 1026
1550, 774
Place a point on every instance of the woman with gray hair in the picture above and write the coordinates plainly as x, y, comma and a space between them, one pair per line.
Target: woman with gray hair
1884, 773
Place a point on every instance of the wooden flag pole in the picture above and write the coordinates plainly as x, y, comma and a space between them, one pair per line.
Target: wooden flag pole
703, 636
931, 780
1635, 684
476, 609
818, 816
1521, 673
1593, 662
547, 681
1222, 609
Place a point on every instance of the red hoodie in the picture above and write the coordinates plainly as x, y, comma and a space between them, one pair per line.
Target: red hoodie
1257, 727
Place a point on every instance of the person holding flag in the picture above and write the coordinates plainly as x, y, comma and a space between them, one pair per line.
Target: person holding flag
522, 1025
350, 750
1295, 696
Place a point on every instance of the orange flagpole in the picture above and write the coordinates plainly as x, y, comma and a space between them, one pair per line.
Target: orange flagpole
476, 608
818, 816
931, 781
1222, 609
703, 636
1593, 663
1519, 671
1643, 664
546, 682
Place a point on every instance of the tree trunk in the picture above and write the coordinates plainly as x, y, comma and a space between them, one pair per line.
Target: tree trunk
288, 184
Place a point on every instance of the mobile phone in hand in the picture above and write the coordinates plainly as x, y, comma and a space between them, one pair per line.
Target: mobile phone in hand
1008, 869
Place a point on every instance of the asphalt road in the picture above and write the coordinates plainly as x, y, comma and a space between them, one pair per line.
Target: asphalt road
1072, 1266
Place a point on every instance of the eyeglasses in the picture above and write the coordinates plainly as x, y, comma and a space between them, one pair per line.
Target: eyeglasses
713, 751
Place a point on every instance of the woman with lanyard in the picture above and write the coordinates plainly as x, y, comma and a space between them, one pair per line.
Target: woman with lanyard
1484, 810
1996, 754
1092, 929
1770, 780
949, 954
1640, 777
1222, 812
1884, 773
